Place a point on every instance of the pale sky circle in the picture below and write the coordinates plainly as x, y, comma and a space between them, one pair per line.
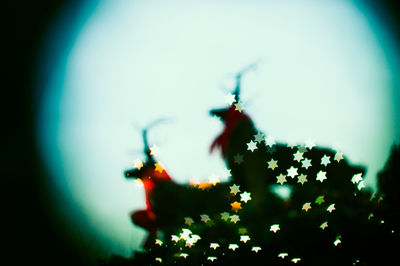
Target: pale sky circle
327, 71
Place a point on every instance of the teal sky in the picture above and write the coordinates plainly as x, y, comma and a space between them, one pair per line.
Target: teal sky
328, 71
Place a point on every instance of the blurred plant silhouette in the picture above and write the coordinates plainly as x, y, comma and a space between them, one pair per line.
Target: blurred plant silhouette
329, 218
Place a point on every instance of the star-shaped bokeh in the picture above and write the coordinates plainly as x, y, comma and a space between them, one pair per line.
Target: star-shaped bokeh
244, 238
233, 246
306, 206
251, 146
234, 189
302, 179
189, 221
306, 163
214, 245
356, 178
321, 176
236, 206
324, 225
283, 255
259, 137
234, 218
338, 156
298, 156
205, 218
230, 98
281, 179
325, 160
245, 196
238, 158
272, 164
292, 172
331, 208
239, 106
320, 199
274, 228
225, 216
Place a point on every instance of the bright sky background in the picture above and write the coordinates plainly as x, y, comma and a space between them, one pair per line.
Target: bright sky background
328, 72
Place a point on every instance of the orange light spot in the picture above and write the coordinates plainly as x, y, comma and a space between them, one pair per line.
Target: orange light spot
159, 167
204, 185
236, 206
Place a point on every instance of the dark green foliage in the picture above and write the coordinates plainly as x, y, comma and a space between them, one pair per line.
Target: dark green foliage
388, 197
171, 201
363, 229
365, 240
